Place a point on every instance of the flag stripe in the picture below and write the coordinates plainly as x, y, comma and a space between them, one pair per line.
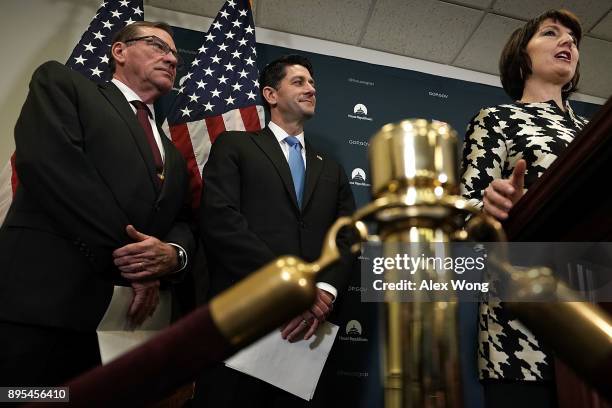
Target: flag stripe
233, 120
14, 178
215, 126
6, 192
262, 116
200, 140
250, 117
182, 140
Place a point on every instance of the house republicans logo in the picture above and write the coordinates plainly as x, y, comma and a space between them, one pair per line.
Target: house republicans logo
353, 328
358, 175
360, 109
360, 112
353, 332
358, 178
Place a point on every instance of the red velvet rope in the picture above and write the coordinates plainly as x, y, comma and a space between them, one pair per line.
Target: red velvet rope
157, 368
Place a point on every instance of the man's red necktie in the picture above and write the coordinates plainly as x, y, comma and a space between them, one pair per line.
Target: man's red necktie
142, 112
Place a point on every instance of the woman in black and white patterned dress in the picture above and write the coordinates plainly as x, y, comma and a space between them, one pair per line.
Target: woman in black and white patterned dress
507, 148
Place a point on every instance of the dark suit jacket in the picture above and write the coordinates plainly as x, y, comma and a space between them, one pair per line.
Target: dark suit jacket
249, 213
86, 171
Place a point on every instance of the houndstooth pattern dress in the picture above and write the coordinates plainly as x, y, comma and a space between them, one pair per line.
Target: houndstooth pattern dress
497, 137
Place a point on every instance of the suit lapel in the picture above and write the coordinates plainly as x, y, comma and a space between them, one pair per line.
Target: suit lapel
122, 106
169, 165
269, 145
314, 165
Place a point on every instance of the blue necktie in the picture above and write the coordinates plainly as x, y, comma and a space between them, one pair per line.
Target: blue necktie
296, 164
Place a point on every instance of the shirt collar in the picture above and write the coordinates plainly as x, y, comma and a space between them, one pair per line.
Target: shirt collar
280, 134
130, 95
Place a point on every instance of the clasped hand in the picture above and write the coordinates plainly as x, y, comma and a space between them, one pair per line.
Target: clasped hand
308, 321
146, 258
143, 262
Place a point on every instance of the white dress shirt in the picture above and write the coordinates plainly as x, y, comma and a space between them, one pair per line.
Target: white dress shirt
131, 96
281, 135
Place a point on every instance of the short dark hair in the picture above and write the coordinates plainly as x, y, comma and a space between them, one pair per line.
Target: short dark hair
514, 62
276, 70
132, 31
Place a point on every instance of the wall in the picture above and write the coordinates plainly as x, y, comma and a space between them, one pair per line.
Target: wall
32, 32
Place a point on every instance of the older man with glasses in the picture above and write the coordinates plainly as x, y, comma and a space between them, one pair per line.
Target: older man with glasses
102, 201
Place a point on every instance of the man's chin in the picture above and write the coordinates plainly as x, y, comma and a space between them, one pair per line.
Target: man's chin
308, 113
164, 86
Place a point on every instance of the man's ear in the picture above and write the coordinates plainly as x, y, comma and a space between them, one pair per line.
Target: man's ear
118, 53
269, 94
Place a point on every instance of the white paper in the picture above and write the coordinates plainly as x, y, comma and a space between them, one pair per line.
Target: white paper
116, 337
293, 367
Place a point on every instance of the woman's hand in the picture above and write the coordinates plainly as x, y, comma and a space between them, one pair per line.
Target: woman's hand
502, 194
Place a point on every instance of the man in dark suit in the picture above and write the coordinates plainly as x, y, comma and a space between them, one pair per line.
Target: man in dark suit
101, 202
267, 194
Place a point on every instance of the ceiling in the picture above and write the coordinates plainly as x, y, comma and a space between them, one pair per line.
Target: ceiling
462, 33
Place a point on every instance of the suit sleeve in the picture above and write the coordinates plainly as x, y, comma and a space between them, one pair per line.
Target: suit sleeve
181, 233
338, 275
225, 231
183, 229
54, 169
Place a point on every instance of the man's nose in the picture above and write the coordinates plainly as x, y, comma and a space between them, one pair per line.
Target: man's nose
311, 88
170, 58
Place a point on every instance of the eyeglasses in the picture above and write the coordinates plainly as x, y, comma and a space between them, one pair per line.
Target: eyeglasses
158, 45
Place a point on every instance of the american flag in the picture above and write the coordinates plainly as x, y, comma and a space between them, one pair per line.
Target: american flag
90, 57
220, 91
